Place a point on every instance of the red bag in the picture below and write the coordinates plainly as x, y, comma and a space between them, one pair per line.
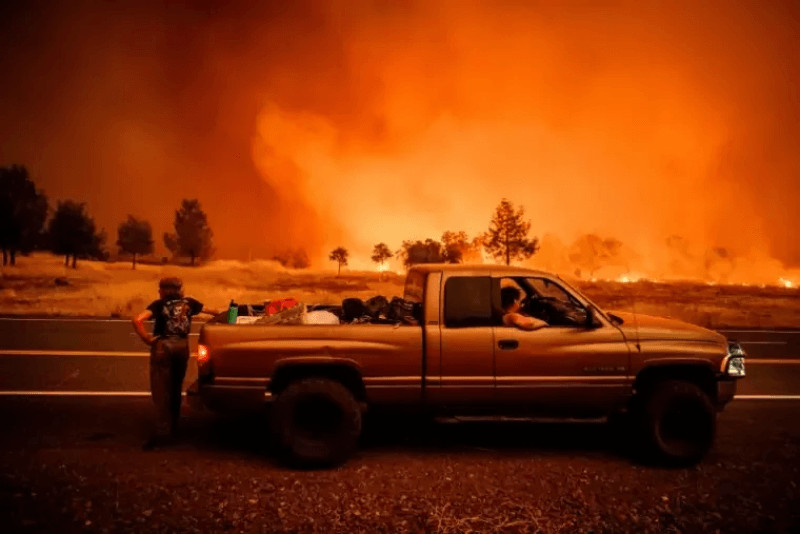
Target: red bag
276, 306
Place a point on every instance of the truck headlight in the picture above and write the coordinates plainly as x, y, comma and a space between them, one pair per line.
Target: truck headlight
734, 366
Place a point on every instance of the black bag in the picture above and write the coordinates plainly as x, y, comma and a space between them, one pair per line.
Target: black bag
353, 309
377, 306
404, 311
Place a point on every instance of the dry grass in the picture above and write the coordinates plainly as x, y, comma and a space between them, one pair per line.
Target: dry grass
103, 289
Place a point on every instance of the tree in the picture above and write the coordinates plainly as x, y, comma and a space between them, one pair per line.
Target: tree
459, 248
71, 232
507, 237
294, 259
135, 237
591, 252
339, 255
192, 236
428, 251
381, 253
23, 211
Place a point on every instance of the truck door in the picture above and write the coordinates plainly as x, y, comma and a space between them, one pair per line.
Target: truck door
562, 369
466, 372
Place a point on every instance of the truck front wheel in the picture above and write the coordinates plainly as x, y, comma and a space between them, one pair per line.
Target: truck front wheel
678, 423
316, 422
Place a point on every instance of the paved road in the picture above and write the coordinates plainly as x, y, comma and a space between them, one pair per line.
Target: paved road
96, 355
74, 464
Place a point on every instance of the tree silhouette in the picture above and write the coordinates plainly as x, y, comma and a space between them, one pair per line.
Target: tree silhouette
428, 251
507, 237
381, 253
294, 259
192, 236
23, 211
458, 248
591, 252
71, 232
339, 255
135, 237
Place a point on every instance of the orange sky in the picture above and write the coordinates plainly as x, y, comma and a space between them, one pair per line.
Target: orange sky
348, 123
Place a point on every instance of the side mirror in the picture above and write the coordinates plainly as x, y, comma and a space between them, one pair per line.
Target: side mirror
590, 318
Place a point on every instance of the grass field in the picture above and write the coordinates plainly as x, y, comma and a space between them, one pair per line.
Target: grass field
114, 289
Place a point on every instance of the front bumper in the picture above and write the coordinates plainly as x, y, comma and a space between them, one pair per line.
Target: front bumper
726, 391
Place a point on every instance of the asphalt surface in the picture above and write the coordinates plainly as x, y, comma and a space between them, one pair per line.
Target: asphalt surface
97, 355
74, 463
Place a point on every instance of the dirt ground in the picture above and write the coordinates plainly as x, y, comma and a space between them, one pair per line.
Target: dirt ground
75, 465
41, 284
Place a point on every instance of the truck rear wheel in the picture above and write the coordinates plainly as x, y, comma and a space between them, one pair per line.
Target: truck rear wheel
316, 422
678, 423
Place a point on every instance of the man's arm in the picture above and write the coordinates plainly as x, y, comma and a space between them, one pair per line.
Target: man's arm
527, 323
211, 311
138, 325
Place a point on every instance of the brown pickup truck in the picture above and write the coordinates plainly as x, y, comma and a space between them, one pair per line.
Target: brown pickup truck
667, 380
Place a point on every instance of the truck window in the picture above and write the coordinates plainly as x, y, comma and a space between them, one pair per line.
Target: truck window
468, 302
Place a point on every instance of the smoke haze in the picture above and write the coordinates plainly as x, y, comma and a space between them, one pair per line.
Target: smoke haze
320, 124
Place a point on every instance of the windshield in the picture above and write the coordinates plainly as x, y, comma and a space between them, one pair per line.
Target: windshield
587, 299
415, 286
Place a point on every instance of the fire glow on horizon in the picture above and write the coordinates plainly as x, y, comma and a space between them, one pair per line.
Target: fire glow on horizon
386, 121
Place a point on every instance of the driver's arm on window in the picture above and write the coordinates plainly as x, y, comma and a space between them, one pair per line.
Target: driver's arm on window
525, 323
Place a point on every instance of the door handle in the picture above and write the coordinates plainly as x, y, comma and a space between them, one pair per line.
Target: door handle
508, 344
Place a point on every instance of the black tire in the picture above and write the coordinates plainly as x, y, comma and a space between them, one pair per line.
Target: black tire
316, 422
678, 423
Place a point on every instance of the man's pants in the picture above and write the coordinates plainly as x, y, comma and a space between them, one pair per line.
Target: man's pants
168, 360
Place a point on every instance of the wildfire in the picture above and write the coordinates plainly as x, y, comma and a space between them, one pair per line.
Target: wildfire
383, 268
786, 283
630, 278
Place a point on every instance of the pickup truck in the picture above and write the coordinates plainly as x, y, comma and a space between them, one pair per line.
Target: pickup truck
667, 380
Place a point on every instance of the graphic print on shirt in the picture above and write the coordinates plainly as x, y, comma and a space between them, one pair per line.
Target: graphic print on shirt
176, 318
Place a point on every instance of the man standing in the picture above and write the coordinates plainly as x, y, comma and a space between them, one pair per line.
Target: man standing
169, 353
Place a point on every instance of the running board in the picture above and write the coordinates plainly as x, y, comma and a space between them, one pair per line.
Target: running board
505, 419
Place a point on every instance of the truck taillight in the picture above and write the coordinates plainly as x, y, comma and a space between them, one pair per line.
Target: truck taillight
202, 353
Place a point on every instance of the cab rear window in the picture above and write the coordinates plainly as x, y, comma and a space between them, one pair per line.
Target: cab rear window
468, 302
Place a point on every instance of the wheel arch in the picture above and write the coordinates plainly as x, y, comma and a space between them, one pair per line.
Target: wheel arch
701, 374
343, 370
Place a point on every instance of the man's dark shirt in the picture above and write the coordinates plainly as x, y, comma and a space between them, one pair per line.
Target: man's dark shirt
173, 317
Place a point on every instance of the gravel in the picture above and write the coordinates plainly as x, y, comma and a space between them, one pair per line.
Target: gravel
60, 474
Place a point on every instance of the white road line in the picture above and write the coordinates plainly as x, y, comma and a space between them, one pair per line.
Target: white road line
71, 320
767, 397
80, 353
147, 394
66, 319
77, 353
70, 353
76, 393
762, 331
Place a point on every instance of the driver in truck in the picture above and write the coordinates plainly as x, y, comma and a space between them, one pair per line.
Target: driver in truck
511, 298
